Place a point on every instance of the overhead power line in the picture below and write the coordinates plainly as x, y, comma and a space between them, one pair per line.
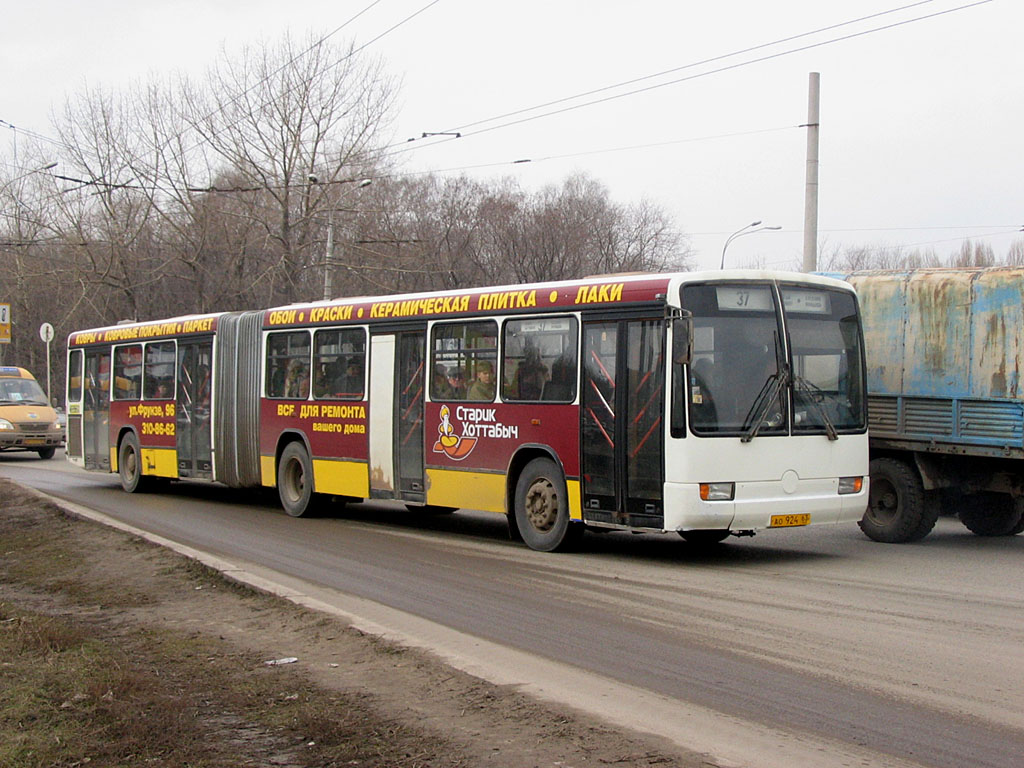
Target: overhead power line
463, 130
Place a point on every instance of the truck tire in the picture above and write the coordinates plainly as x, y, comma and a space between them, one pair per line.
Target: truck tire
990, 514
896, 510
1019, 527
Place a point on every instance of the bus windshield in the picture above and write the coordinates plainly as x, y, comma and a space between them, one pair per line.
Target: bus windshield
742, 382
826, 352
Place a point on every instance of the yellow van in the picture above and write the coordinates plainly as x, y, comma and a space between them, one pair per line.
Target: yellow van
27, 422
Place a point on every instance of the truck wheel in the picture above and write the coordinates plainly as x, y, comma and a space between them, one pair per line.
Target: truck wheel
542, 508
129, 465
896, 504
990, 514
295, 480
1019, 527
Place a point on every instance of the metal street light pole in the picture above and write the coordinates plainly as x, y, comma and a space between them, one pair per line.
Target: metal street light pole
329, 252
751, 228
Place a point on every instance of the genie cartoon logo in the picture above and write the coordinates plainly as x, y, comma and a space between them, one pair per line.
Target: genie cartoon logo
454, 446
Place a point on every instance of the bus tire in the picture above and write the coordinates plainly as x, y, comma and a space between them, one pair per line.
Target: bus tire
295, 480
896, 511
704, 538
129, 465
46, 453
990, 514
542, 508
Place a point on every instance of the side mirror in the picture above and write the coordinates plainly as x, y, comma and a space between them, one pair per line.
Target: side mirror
682, 339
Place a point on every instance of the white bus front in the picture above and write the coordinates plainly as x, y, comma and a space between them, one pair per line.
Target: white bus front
768, 419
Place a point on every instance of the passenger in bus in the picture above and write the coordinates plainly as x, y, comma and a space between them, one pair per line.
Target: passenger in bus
482, 387
457, 383
296, 382
531, 375
560, 387
440, 389
352, 385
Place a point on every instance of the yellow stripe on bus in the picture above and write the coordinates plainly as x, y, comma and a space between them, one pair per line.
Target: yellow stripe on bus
482, 490
341, 478
466, 490
160, 462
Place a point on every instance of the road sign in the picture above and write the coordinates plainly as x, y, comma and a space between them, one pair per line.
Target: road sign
5, 323
46, 332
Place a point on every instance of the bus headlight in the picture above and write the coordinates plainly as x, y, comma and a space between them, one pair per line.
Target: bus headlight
717, 491
850, 484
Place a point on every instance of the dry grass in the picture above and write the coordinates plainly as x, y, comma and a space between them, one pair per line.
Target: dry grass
79, 685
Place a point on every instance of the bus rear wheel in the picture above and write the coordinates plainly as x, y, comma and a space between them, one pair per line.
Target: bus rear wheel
542, 508
129, 465
295, 480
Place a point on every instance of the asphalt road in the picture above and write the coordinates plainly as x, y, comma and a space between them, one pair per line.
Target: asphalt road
808, 646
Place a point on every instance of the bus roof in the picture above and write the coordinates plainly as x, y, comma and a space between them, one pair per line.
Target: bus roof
610, 291
146, 331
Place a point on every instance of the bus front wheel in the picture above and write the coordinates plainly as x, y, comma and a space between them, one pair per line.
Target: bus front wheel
295, 480
542, 508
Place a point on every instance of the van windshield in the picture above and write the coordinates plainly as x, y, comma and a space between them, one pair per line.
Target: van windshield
21, 391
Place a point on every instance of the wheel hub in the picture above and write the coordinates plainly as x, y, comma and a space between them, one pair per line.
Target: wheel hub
542, 506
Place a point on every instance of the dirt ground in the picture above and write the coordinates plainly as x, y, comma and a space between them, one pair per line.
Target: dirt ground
366, 701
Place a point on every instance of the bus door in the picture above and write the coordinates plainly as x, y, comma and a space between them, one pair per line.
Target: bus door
397, 380
622, 421
192, 408
96, 409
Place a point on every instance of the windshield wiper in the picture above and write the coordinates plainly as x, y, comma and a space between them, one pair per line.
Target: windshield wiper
762, 404
815, 396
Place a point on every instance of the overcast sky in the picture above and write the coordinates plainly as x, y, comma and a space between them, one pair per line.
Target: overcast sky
922, 124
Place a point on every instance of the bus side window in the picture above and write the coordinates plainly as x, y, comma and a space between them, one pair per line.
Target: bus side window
539, 359
467, 355
288, 365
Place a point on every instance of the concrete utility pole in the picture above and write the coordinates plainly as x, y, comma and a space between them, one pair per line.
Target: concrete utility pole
811, 189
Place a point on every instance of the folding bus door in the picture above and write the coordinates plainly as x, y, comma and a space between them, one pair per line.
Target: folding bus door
96, 409
192, 409
622, 421
397, 364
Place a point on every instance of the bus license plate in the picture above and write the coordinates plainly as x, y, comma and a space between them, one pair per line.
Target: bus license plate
788, 521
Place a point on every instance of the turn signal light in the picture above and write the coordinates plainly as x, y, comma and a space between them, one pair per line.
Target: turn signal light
850, 484
717, 491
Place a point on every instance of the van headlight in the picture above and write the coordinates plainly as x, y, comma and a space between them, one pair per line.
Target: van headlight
5, 424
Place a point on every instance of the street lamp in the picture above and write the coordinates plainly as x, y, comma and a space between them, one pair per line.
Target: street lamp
749, 229
16, 179
329, 252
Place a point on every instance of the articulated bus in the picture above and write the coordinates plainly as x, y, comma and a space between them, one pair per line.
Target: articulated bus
707, 404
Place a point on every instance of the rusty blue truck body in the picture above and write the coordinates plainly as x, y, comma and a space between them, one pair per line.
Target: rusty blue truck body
945, 358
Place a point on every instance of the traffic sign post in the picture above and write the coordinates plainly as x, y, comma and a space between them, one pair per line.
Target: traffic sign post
46, 334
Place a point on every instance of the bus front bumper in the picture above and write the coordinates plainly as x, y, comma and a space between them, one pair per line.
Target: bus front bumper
760, 505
